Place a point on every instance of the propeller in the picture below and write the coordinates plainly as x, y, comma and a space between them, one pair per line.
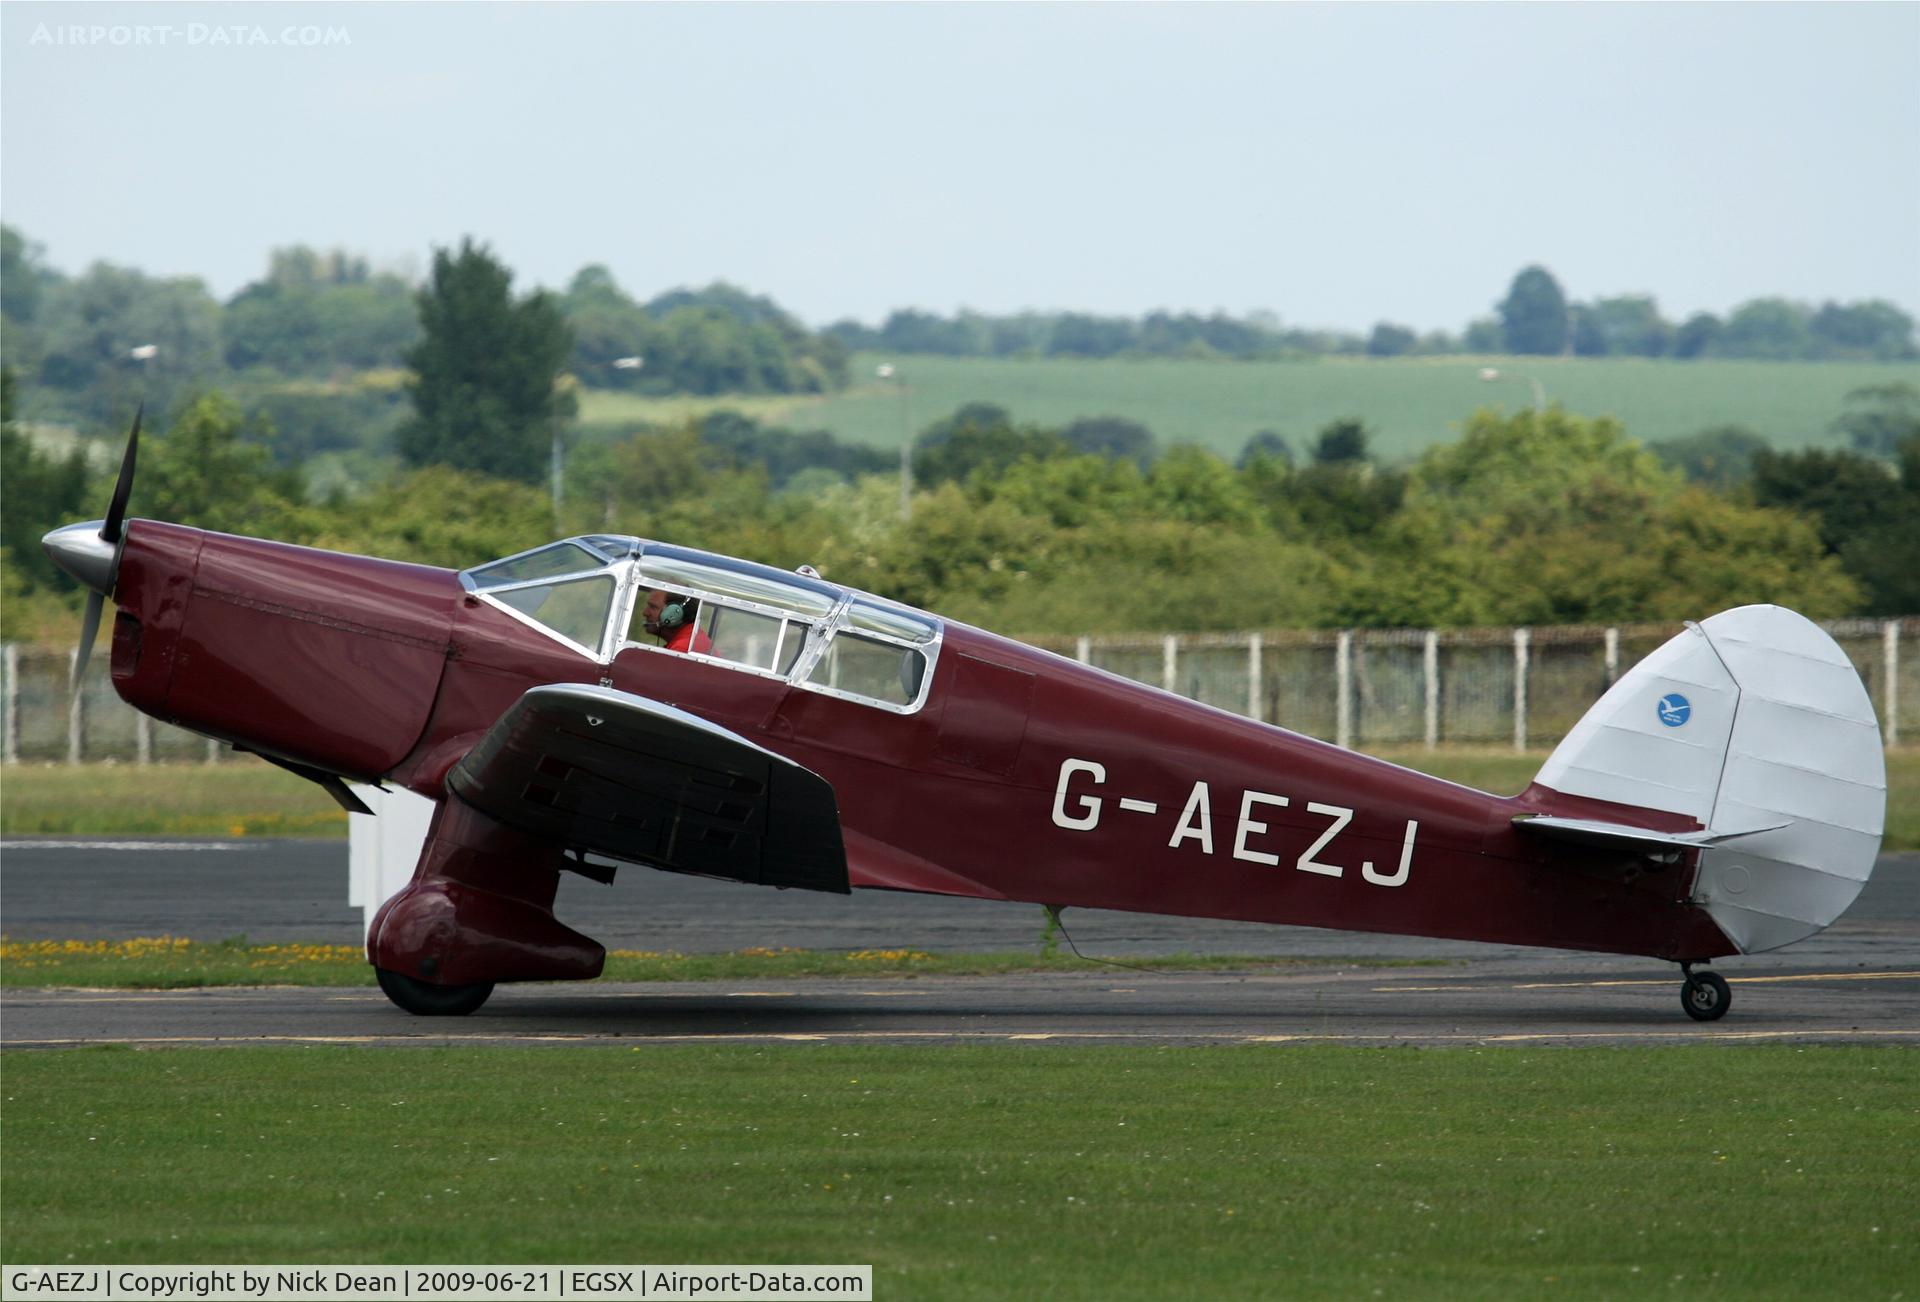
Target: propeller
92, 555
110, 528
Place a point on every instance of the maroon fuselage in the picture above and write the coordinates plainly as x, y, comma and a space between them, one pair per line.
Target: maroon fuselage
1024, 777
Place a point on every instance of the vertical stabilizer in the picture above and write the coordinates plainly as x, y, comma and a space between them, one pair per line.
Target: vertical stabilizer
1754, 719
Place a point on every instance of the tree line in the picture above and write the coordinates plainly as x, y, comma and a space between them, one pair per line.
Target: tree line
323, 328
1535, 317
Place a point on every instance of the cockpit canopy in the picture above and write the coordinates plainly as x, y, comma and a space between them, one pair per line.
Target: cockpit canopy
589, 593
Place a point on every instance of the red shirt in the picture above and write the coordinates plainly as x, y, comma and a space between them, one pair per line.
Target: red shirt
689, 638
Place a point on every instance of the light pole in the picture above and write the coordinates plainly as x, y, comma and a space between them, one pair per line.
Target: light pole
886, 372
144, 354
1492, 374
559, 475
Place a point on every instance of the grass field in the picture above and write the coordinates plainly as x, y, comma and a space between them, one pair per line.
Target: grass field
997, 1171
1408, 402
173, 963
247, 798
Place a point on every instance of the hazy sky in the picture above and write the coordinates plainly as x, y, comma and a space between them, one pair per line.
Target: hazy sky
1335, 164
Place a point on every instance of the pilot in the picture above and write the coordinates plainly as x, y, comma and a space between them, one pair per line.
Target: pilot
672, 618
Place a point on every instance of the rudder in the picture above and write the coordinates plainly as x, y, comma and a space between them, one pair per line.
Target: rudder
1755, 724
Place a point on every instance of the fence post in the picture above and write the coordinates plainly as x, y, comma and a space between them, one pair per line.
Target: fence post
1170, 663
213, 751
10, 669
76, 712
1343, 691
1522, 637
1083, 650
1430, 662
1890, 696
143, 737
1613, 656
1256, 708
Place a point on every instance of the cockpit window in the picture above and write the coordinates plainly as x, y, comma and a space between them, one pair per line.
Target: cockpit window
679, 574
576, 609
869, 667
545, 563
591, 593
871, 617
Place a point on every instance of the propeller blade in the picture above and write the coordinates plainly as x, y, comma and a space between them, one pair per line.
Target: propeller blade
89, 627
123, 488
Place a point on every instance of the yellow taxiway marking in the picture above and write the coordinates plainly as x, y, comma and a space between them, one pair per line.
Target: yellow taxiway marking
1657, 981
736, 1037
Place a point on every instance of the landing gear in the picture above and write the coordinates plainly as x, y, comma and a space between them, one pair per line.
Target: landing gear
424, 1000
1704, 995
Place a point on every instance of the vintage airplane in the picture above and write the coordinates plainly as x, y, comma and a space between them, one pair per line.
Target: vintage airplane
1725, 796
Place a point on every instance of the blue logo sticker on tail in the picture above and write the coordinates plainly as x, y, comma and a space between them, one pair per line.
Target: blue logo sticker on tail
1674, 709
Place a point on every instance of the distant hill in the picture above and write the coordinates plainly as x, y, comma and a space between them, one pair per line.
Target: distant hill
1408, 402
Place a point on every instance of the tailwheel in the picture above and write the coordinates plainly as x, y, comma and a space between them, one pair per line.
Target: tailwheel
424, 1000
1705, 996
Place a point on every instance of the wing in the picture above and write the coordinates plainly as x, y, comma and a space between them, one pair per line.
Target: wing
618, 775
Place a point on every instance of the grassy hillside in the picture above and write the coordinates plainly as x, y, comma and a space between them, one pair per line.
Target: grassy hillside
1409, 402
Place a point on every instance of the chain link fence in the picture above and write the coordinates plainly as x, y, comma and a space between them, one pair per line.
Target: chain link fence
1519, 687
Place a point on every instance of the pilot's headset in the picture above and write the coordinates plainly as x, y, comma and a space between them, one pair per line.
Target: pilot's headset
676, 613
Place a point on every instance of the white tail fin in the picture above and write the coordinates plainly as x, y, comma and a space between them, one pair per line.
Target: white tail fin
1755, 725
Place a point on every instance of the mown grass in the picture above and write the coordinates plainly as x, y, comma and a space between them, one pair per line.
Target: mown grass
995, 1171
243, 797
248, 798
1409, 403
173, 963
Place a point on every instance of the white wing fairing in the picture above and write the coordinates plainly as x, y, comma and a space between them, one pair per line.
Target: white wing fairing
1755, 725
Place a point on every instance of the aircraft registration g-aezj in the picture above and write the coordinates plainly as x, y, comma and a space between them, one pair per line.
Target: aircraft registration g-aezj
1725, 796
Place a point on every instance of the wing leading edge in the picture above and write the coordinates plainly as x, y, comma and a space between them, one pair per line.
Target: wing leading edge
614, 774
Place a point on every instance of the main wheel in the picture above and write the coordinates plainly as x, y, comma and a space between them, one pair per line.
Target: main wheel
424, 1000
1705, 996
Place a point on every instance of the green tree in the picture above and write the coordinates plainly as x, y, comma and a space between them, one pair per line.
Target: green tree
607, 326
1697, 335
1771, 328
1482, 335
1875, 329
1341, 442
1193, 486
1069, 492
1533, 315
1626, 326
1269, 444
1721, 457
1879, 418
1885, 554
440, 516
978, 438
1551, 518
43, 492
1845, 493
92, 324
212, 471
485, 392
316, 313
1076, 334
1389, 340
24, 276
1111, 436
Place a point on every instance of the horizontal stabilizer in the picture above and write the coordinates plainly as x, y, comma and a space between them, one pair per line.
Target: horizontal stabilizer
1588, 831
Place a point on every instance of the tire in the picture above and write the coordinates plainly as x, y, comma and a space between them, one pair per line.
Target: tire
1706, 997
424, 1000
